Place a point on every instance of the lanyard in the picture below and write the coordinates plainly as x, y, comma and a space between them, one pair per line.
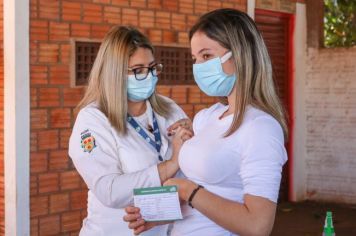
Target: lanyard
157, 143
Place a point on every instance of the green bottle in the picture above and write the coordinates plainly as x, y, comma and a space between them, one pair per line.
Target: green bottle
329, 227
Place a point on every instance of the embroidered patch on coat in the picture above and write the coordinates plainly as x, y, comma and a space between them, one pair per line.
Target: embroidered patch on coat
87, 141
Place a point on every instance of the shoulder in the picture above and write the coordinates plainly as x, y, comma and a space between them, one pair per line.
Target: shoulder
91, 126
210, 110
259, 124
205, 114
91, 112
91, 117
263, 141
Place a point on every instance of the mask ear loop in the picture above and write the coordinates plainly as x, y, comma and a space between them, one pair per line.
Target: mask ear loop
226, 57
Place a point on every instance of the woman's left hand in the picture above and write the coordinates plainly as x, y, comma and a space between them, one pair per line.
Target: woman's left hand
185, 187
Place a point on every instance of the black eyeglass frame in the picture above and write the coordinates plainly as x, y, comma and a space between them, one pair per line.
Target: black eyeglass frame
152, 69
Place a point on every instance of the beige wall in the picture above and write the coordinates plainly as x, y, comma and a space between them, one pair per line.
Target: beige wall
330, 107
324, 137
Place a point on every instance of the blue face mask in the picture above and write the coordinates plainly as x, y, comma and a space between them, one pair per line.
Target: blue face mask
211, 78
139, 90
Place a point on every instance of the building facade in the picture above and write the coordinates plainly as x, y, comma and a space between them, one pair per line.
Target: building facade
319, 91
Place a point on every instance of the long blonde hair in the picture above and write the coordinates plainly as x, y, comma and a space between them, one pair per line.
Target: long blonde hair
236, 31
108, 77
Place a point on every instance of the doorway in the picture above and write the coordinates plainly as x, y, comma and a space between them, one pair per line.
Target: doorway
277, 31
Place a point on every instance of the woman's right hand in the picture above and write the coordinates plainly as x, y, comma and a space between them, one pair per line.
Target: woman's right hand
134, 218
136, 223
181, 135
168, 169
185, 123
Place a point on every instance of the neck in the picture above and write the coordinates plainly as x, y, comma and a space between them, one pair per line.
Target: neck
231, 99
136, 108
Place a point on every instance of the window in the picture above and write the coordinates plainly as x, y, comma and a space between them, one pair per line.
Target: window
85, 54
177, 65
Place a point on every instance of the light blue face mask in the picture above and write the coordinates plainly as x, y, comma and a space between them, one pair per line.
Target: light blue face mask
139, 90
211, 78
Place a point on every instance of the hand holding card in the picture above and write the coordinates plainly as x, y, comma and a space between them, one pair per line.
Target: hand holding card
158, 203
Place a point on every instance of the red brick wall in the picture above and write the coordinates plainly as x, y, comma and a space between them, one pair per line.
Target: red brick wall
2, 206
58, 195
278, 5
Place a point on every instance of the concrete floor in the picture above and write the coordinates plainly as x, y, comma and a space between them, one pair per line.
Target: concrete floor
307, 219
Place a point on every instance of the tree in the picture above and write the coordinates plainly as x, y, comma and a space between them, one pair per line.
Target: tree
340, 23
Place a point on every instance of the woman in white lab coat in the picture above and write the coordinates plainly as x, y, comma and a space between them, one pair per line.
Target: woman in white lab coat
233, 180
119, 140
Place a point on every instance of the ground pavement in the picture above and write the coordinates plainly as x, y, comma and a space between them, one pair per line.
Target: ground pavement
307, 219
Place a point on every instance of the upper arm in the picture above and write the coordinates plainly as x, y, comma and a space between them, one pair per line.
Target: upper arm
100, 166
263, 158
93, 148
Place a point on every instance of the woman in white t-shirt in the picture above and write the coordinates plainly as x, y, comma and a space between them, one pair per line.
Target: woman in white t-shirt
119, 140
233, 163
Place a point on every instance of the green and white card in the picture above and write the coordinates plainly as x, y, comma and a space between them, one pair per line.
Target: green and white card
158, 203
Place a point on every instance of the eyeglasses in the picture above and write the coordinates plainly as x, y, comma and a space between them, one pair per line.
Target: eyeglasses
141, 73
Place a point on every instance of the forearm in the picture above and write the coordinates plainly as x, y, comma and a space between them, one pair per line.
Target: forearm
167, 169
233, 216
116, 190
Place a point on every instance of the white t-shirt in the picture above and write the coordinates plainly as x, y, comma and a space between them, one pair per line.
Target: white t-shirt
112, 165
247, 162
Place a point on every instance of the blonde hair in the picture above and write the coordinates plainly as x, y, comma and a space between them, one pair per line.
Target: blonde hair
108, 77
236, 31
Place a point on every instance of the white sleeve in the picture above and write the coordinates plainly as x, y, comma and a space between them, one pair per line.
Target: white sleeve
263, 158
99, 165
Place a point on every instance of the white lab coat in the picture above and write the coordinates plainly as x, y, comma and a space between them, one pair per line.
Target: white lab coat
112, 165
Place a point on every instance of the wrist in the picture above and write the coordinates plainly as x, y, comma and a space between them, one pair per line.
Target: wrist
193, 194
175, 155
167, 169
172, 166
174, 160
189, 190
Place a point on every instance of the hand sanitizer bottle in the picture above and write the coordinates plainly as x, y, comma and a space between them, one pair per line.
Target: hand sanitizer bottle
328, 227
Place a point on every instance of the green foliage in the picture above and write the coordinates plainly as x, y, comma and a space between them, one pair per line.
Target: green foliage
340, 23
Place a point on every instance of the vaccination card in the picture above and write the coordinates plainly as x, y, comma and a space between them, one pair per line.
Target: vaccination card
158, 203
